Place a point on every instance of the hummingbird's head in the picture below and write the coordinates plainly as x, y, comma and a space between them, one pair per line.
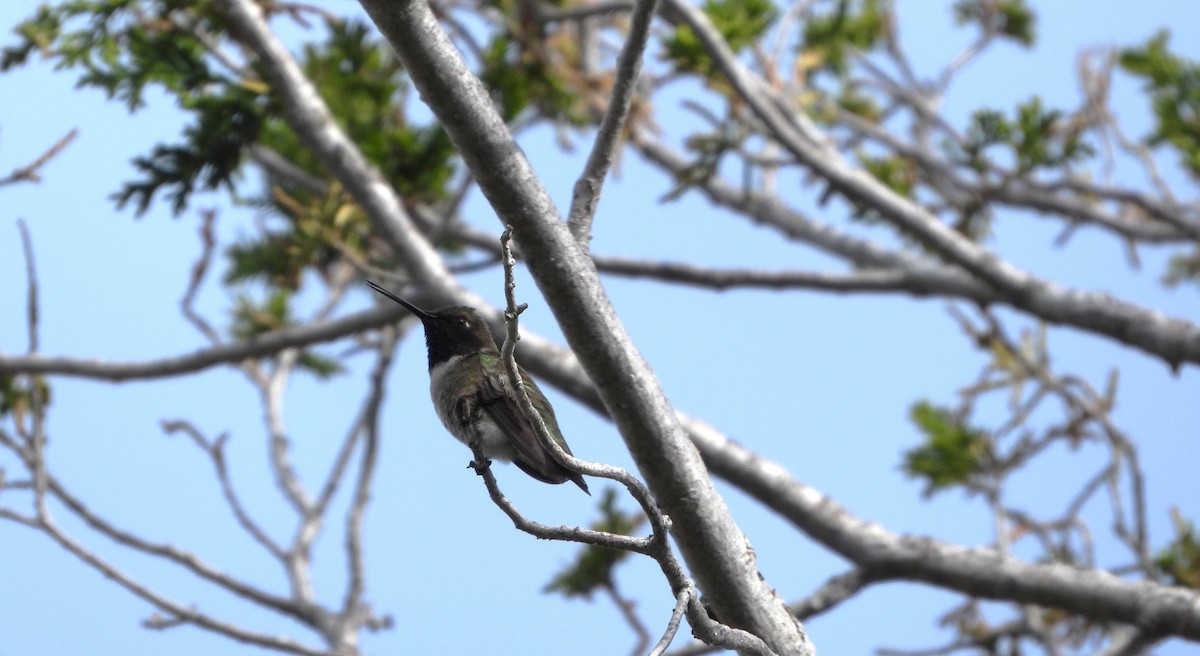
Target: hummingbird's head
449, 331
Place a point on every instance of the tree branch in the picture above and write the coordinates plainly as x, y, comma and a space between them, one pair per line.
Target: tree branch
267, 344
29, 172
658, 545
712, 544
1173, 340
591, 181
1156, 609
313, 123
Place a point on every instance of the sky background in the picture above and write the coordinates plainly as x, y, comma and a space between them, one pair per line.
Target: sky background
821, 384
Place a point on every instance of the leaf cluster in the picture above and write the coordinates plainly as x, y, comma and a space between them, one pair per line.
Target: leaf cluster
318, 230
1183, 266
523, 77
594, 566
830, 38
741, 22
1012, 19
126, 47
17, 398
1037, 137
252, 319
951, 451
1180, 560
1173, 84
365, 87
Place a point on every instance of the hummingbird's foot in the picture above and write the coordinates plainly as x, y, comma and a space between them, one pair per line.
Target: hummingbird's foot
479, 466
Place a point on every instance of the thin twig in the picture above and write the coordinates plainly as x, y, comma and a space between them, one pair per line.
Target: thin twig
265, 345
628, 610
185, 559
172, 608
682, 600
352, 605
591, 181
29, 172
216, 453
37, 408
208, 246
658, 546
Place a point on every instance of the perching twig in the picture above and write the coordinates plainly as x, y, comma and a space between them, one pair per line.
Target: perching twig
658, 546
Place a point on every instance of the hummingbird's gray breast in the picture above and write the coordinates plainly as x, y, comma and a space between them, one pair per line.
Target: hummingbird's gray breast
454, 386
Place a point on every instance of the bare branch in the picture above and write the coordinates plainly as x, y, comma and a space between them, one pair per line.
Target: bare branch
711, 542
1175, 341
833, 592
659, 545
37, 408
1154, 608
29, 172
628, 610
899, 280
286, 477
267, 344
216, 453
591, 181
172, 608
682, 600
208, 245
352, 604
549, 13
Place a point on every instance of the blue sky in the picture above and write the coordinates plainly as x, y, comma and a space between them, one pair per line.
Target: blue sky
821, 384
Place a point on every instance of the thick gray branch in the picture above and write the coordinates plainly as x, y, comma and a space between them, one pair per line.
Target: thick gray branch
1154, 608
711, 543
312, 121
1158, 609
1174, 340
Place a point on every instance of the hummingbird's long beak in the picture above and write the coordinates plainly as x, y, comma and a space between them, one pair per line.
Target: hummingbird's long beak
411, 308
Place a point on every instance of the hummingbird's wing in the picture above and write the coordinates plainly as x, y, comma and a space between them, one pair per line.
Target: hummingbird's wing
503, 409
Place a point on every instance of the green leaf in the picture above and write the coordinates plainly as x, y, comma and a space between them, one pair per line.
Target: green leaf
740, 22
593, 568
251, 319
1180, 560
319, 365
209, 156
1037, 137
365, 87
1009, 18
1183, 267
853, 25
898, 173
951, 451
1173, 84
36, 34
275, 258
17, 398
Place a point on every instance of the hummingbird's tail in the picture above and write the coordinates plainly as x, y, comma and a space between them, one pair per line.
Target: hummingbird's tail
559, 476
577, 479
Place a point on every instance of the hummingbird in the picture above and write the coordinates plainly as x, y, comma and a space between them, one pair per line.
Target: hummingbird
474, 399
